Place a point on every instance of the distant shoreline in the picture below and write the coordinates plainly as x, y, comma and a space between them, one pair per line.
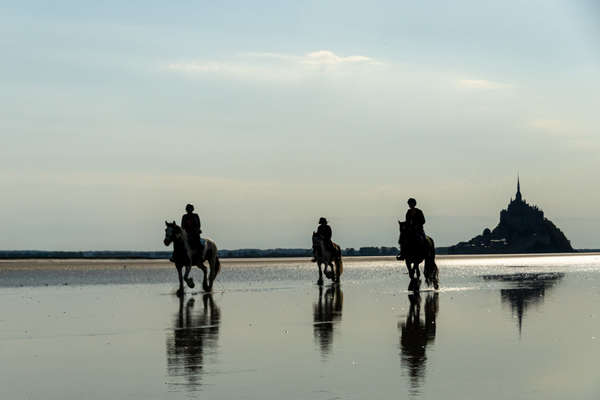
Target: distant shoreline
370, 252
74, 264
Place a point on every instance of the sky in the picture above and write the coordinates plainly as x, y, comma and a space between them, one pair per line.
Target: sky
266, 116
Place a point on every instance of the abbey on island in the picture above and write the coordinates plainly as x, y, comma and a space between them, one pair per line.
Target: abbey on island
522, 229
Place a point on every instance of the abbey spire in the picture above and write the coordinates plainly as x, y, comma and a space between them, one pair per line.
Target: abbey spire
518, 197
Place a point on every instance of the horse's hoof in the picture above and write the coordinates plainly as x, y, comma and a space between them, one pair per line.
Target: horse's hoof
179, 292
190, 283
320, 282
414, 285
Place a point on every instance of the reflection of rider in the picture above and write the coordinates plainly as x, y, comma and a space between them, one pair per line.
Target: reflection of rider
324, 231
416, 335
193, 334
415, 221
190, 223
326, 312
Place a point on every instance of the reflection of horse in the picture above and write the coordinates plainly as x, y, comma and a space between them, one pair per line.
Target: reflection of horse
326, 312
416, 335
414, 254
185, 255
193, 334
324, 255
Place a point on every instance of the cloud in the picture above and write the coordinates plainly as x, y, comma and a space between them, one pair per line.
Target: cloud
325, 57
552, 126
274, 66
482, 84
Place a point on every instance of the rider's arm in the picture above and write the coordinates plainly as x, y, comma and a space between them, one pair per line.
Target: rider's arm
197, 218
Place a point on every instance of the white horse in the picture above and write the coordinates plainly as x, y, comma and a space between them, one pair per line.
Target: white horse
186, 256
323, 255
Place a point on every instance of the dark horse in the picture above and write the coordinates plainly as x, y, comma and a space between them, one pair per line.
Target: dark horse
414, 254
185, 256
324, 255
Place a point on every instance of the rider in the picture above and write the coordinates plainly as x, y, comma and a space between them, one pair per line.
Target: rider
190, 223
324, 231
415, 221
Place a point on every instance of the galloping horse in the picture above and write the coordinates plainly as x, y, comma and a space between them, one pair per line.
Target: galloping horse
323, 255
184, 255
414, 254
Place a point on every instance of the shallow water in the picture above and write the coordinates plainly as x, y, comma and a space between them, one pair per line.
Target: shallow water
501, 327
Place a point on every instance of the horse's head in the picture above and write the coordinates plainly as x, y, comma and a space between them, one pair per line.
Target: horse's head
172, 231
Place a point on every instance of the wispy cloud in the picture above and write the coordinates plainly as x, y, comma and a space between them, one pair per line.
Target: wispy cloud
482, 84
274, 66
551, 126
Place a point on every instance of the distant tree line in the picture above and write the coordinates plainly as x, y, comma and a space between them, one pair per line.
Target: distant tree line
238, 253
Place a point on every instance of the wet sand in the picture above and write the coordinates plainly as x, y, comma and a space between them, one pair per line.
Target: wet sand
501, 327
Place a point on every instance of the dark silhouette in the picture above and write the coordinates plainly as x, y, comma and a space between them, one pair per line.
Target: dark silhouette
325, 233
185, 255
527, 289
415, 219
194, 336
327, 256
522, 229
416, 335
416, 254
327, 311
190, 223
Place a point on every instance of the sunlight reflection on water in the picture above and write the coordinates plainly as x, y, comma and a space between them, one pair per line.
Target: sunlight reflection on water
500, 327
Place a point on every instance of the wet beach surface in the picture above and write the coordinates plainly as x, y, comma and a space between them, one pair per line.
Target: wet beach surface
500, 328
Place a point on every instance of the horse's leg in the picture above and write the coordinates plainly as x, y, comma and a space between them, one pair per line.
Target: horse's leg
410, 271
205, 284
333, 272
212, 263
180, 290
320, 281
416, 268
187, 278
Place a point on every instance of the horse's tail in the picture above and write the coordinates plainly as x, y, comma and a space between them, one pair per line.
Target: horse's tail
431, 271
217, 265
339, 264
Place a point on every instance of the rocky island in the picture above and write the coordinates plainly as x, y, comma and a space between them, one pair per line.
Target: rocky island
522, 229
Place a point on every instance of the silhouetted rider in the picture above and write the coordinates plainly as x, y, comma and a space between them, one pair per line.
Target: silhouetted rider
415, 218
415, 221
190, 223
325, 232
